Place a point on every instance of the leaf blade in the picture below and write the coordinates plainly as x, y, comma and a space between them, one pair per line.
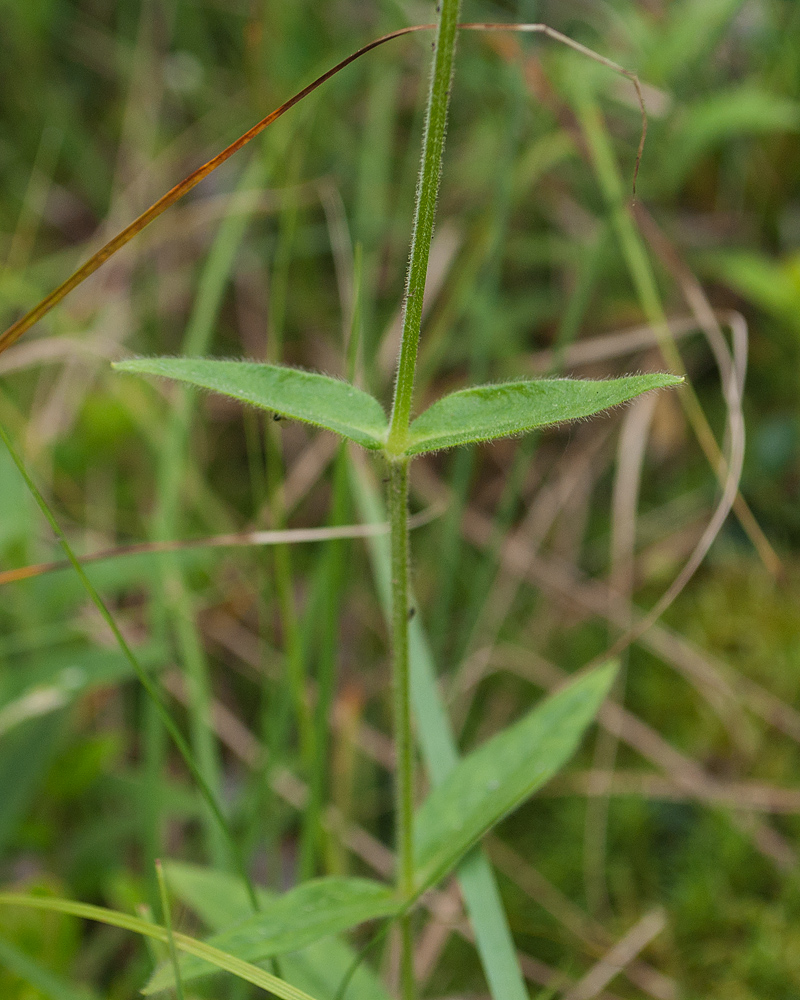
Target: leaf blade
290, 392
219, 899
487, 412
493, 780
315, 909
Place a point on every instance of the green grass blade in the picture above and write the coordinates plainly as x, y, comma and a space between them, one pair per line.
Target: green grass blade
114, 918
173, 610
177, 981
486, 412
770, 284
142, 675
475, 877
307, 396
499, 776
312, 910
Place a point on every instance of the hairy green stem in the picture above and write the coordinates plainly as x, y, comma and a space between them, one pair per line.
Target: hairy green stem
404, 750
422, 234
404, 781
427, 192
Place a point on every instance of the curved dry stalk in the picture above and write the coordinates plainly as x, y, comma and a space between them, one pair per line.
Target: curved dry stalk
709, 323
244, 538
289, 536
631, 452
24, 323
735, 461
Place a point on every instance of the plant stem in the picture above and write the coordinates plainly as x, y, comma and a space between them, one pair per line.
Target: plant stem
425, 212
424, 215
404, 751
404, 782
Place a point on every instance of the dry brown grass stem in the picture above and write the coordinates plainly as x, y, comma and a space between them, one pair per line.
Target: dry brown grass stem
619, 956
107, 251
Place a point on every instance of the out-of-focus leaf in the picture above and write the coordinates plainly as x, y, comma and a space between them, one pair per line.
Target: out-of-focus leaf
307, 396
303, 915
499, 776
773, 286
220, 900
57, 679
744, 110
16, 505
25, 755
692, 28
486, 412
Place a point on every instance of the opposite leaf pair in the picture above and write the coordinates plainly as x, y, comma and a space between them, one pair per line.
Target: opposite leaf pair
480, 413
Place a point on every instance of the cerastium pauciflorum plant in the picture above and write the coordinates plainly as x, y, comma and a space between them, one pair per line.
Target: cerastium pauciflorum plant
469, 797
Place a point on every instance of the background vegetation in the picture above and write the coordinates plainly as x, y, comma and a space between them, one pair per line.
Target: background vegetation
675, 830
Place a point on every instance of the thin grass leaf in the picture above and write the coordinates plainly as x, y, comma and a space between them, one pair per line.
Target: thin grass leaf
499, 776
114, 918
486, 412
177, 981
219, 899
144, 678
307, 396
312, 910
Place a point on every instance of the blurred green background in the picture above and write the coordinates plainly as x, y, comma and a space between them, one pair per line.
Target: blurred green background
688, 806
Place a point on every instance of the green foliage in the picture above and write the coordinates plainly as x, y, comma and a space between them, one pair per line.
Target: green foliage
220, 901
536, 250
308, 396
744, 111
244, 970
488, 412
495, 779
60, 678
38, 976
313, 910
480, 413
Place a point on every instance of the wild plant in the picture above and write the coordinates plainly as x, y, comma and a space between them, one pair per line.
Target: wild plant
469, 797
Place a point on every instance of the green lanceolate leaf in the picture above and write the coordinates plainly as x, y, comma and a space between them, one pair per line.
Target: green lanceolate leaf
311, 911
486, 412
220, 899
308, 396
499, 776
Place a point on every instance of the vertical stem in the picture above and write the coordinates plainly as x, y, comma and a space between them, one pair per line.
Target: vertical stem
404, 782
427, 192
424, 215
404, 752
